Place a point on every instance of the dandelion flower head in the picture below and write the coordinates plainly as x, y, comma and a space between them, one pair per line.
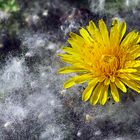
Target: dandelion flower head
106, 60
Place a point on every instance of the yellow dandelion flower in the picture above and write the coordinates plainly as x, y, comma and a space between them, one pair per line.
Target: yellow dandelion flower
105, 60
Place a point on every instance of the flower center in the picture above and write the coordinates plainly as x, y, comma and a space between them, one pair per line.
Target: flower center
108, 59
109, 64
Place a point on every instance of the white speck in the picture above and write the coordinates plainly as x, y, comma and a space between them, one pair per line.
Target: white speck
97, 133
43, 74
41, 115
4, 15
7, 124
35, 18
1, 45
28, 54
79, 133
51, 46
127, 2
52, 102
63, 92
33, 84
40, 43
45, 13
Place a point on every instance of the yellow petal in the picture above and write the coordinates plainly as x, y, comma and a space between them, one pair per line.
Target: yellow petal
114, 92
88, 91
77, 80
133, 48
76, 41
86, 35
127, 70
104, 95
120, 85
69, 58
69, 83
136, 52
134, 77
107, 81
70, 50
114, 34
94, 31
92, 28
70, 70
83, 78
96, 94
132, 84
112, 78
122, 29
104, 33
123, 76
134, 63
76, 37
130, 39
